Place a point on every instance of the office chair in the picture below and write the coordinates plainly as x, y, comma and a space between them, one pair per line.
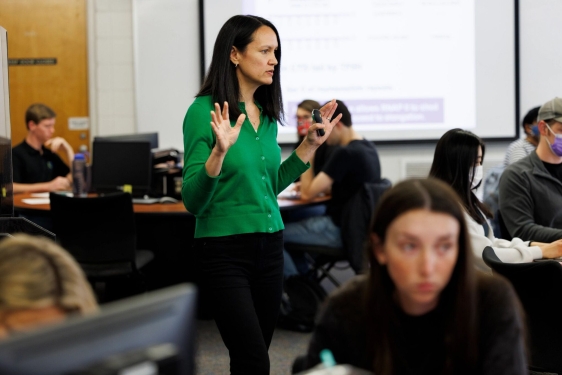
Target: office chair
356, 217
539, 287
100, 233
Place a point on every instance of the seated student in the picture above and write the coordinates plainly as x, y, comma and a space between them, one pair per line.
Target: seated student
344, 173
520, 148
422, 309
36, 167
458, 159
530, 194
40, 284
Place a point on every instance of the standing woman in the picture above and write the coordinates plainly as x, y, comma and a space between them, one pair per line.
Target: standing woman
458, 159
231, 177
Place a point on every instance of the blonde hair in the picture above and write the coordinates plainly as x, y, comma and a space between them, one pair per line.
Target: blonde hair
35, 272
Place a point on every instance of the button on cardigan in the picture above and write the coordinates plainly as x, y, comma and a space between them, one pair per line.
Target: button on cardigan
243, 197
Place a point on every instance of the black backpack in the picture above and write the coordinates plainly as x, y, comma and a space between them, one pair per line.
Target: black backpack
300, 302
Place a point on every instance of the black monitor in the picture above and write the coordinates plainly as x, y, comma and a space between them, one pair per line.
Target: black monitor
116, 165
137, 137
155, 330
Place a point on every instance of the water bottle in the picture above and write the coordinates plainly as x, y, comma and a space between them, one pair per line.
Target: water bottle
79, 180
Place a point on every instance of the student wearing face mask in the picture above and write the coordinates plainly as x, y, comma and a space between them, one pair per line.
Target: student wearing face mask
458, 161
520, 148
531, 189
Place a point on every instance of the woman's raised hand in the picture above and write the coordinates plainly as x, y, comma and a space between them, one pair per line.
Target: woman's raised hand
226, 134
328, 123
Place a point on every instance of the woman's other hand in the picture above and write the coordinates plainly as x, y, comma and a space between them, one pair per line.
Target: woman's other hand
327, 124
226, 134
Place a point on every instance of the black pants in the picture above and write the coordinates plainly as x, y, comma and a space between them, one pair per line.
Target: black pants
242, 276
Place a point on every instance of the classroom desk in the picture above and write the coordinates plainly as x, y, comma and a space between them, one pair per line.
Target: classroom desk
168, 230
158, 208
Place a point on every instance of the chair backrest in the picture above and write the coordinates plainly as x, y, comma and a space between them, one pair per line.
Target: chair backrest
504, 233
95, 229
539, 287
356, 217
491, 194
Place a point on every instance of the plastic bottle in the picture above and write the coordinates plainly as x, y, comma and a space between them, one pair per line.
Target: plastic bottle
79, 180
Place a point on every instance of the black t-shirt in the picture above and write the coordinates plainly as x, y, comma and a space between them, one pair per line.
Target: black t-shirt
31, 167
350, 167
554, 169
419, 342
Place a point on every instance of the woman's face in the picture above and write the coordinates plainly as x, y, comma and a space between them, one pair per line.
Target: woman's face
420, 252
256, 65
479, 157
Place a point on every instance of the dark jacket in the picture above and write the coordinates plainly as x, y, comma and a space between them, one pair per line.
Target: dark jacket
342, 329
531, 201
356, 217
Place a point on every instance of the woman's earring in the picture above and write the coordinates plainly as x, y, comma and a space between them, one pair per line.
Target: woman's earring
236, 65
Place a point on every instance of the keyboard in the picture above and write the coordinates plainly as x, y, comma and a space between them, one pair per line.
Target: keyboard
149, 200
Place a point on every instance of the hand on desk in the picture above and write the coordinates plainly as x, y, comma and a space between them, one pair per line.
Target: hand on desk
59, 183
550, 250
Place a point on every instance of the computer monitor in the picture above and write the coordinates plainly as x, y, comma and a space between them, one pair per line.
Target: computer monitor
6, 186
163, 321
118, 164
137, 137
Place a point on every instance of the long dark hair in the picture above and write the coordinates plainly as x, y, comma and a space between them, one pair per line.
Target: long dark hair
457, 300
221, 81
455, 157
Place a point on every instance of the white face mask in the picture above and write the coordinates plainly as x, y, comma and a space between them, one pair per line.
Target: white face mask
478, 174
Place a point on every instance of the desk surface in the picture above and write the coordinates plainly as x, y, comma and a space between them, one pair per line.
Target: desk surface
159, 208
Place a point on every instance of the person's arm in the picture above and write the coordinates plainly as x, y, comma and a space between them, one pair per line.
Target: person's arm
305, 151
58, 183
312, 185
502, 345
517, 207
208, 136
514, 251
328, 334
300, 159
58, 143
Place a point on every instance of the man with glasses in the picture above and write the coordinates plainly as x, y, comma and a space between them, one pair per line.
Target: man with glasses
37, 167
531, 189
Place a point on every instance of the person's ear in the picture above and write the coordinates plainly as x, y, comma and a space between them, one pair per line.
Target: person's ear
31, 122
234, 55
377, 248
543, 129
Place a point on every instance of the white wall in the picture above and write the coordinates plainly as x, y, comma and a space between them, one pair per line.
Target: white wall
540, 74
163, 95
112, 90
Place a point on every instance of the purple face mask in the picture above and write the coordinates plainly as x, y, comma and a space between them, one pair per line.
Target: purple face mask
556, 147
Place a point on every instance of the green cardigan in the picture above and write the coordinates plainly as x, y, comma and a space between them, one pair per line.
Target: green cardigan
243, 198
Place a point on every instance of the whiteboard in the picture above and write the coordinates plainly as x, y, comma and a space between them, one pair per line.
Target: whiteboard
407, 70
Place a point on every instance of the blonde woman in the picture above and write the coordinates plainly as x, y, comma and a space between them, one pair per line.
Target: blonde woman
40, 284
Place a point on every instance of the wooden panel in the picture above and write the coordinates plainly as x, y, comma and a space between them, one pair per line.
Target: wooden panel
43, 29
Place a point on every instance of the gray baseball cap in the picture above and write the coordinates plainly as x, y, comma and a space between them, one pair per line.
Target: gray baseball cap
551, 110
